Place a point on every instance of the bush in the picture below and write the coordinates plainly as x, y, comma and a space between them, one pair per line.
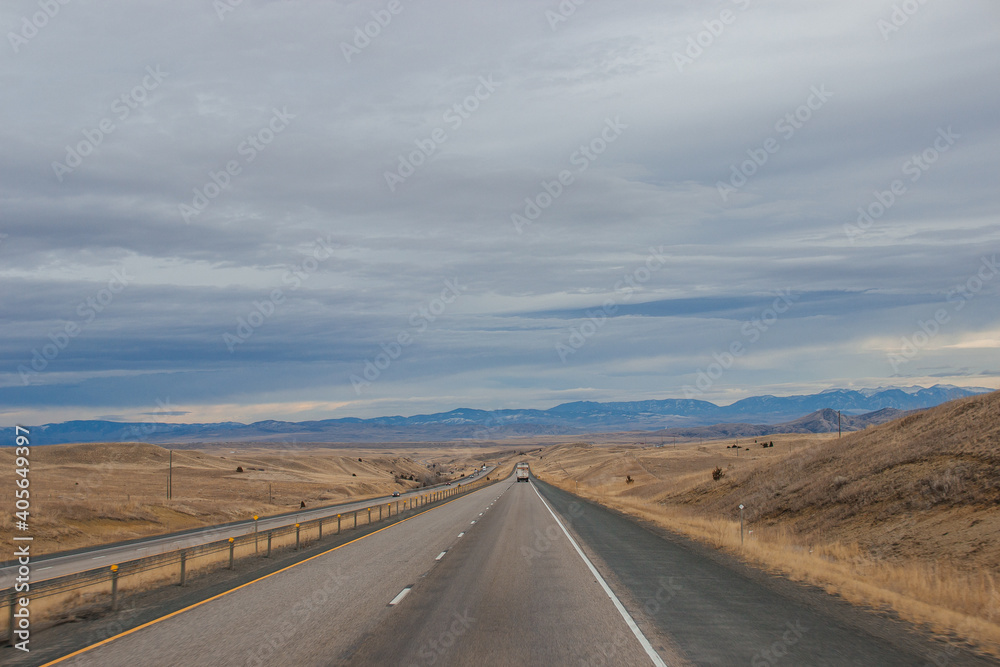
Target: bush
717, 474
239, 468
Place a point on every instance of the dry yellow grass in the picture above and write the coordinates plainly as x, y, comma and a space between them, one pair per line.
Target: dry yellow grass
89, 494
901, 516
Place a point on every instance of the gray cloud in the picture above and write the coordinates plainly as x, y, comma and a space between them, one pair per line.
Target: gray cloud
346, 124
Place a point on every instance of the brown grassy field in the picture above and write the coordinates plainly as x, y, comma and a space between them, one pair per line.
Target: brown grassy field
89, 494
903, 516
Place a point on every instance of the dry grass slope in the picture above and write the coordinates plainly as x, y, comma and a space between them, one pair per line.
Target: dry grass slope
927, 485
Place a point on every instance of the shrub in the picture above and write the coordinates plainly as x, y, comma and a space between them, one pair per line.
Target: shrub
717, 474
239, 468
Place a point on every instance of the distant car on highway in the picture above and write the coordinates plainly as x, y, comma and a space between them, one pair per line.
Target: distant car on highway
395, 494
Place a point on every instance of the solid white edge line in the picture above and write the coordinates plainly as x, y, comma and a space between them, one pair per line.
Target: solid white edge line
653, 655
402, 594
441, 555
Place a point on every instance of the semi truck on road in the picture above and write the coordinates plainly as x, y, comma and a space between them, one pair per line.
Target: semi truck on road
522, 472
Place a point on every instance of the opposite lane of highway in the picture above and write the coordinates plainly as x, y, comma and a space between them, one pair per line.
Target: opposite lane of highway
50, 567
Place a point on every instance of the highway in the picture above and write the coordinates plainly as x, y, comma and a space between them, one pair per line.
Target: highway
519, 574
50, 567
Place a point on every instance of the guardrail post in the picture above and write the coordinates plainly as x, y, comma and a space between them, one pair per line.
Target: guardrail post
355, 518
380, 512
338, 524
114, 588
232, 547
369, 515
321, 529
183, 566
268, 544
296, 537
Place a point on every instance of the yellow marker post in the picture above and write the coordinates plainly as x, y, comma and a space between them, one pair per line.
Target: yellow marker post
114, 590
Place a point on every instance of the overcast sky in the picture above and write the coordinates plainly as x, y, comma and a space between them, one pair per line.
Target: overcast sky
230, 210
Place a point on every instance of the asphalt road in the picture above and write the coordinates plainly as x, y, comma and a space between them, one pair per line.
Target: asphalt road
494, 578
50, 567
496, 593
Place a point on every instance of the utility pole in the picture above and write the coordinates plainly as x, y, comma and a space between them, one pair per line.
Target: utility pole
838, 424
170, 474
741, 523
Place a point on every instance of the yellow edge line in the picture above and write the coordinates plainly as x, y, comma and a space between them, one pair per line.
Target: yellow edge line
232, 590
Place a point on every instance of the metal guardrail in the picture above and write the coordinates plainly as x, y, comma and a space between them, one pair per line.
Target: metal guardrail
105, 586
